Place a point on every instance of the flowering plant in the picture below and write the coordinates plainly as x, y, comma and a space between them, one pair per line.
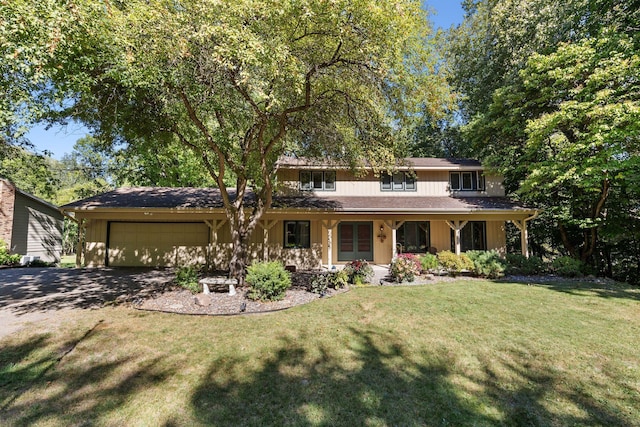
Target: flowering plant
359, 271
405, 267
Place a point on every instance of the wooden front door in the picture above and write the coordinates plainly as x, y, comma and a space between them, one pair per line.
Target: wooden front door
355, 241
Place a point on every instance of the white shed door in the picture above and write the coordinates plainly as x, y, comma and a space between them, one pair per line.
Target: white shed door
135, 244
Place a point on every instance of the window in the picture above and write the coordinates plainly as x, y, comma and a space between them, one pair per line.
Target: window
399, 181
473, 237
413, 236
297, 234
466, 181
318, 180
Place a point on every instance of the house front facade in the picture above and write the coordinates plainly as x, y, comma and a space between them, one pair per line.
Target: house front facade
322, 215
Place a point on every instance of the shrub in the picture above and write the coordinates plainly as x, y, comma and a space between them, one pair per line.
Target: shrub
567, 266
405, 267
187, 277
487, 263
339, 279
320, 283
520, 264
268, 281
467, 264
450, 262
5, 257
429, 262
359, 271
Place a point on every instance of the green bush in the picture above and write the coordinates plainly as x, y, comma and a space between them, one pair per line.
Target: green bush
450, 262
487, 263
5, 257
339, 279
429, 262
520, 264
359, 271
268, 281
567, 266
467, 264
320, 283
187, 277
405, 267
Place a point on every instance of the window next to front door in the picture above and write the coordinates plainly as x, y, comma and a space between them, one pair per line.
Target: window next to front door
413, 236
473, 237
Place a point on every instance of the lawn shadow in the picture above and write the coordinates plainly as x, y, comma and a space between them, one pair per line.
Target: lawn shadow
26, 290
604, 288
520, 383
381, 385
377, 385
80, 393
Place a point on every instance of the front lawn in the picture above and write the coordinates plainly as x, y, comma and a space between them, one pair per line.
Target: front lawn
463, 353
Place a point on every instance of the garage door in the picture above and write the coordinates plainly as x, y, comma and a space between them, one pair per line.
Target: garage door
134, 244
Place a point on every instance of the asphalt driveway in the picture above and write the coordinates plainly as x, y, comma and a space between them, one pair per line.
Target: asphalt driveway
33, 294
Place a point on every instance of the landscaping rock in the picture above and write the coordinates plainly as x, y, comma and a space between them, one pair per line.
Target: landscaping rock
203, 300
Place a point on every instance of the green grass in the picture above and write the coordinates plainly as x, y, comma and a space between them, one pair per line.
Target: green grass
463, 353
68, 261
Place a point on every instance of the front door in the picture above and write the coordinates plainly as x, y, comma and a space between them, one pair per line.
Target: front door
355, 241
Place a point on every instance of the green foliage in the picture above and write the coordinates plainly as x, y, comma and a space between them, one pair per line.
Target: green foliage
268, 281
187, 277
5, 257
520, 264
487, 263
567, 266
359, 272
429, 262
450, 262
332, 279
405, 267
237, 83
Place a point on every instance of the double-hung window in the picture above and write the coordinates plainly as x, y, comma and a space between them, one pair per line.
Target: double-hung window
297, 234
466, 181
399, 181
318, 180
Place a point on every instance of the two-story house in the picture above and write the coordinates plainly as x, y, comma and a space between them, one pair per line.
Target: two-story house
322, 215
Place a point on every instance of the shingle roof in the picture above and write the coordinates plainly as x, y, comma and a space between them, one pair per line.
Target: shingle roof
413, 162
209, 198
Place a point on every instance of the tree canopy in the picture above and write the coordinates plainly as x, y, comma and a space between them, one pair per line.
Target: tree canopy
237, 82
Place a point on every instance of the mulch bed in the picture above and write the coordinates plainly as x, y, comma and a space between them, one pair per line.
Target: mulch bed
219, 303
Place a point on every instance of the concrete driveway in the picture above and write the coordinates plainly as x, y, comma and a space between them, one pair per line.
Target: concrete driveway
33, 294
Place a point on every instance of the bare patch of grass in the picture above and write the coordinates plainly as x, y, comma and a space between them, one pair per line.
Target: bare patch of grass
463, 353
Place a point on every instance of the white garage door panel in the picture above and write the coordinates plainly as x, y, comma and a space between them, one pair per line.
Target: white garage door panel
157, 244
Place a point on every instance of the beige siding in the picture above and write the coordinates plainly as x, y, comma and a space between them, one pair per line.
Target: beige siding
440, 235
95, 243
496, 237
429, 183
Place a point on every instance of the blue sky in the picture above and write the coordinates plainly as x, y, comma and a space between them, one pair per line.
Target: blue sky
59, 140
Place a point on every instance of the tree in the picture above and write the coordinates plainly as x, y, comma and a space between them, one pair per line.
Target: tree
241, 83
573, 122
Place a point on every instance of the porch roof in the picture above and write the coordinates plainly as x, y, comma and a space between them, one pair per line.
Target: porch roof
198, 199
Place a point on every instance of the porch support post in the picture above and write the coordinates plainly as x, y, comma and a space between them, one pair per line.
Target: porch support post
456, 226
394, 225
524, 235
330, 225
266, 226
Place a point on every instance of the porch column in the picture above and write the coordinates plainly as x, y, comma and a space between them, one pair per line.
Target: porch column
329, 225
456, 226
524, 235
394, 225
266, 226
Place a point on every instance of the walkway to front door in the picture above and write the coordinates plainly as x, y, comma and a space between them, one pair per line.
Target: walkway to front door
355, 241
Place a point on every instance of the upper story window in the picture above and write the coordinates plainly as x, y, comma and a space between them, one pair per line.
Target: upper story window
399, 181
318, 180
466, 181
